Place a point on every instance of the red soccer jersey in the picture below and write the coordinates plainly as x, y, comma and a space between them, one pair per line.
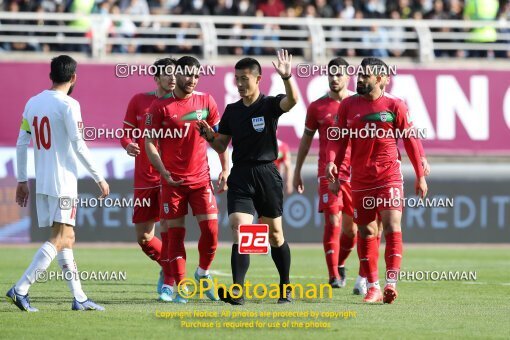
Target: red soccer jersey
146, 176
375, 161
321, 115
183, 151
283, 150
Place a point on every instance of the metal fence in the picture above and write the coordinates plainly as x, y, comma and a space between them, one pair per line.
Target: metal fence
216, 36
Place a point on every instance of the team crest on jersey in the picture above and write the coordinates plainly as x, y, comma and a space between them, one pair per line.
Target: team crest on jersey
148, 119
384, 116
165, 208
325, 198
258, 123
199, 114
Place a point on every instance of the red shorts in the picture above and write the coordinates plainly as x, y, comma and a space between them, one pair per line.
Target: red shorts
143, 213
331, 203
369, 203
175, 201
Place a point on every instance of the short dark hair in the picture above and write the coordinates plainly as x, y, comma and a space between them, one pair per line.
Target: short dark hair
375, 64
337, 63
62, 69
249, 63
161, 65
188, 61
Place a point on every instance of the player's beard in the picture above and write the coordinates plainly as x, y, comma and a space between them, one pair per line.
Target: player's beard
364, 89
71, 88
335, 88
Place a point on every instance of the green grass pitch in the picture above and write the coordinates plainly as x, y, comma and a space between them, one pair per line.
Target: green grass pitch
424, 309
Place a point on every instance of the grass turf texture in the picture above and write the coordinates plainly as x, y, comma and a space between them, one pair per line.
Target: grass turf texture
423, 310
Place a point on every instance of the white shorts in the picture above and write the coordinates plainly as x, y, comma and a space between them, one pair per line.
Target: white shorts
54, 209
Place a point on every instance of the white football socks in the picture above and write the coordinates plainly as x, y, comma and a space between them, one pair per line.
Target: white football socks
375, 284
66, 262
202, 272
41, 261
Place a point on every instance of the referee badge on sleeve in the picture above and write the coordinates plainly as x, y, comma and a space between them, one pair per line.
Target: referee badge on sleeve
258, 123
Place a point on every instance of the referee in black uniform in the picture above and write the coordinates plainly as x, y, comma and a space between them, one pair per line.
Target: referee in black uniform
254, 184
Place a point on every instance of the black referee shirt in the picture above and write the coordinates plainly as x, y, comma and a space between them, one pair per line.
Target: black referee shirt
253, 129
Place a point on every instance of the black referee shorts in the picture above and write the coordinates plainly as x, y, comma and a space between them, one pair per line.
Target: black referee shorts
255, 188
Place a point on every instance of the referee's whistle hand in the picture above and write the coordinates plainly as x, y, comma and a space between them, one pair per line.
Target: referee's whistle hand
204, 129
331, 172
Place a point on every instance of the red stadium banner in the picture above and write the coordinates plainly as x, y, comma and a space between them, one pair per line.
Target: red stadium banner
463, 111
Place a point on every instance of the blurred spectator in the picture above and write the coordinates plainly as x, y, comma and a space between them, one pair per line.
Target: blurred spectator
221, 8
481, 10
123, 28
191, 7
343, 9
245, 8
134, 7
310, 12
372, 38
83, 7
162, 6
348, 10
183, 46
396, 37
272, 8
374, 8
323, 9
405, 9
505, 16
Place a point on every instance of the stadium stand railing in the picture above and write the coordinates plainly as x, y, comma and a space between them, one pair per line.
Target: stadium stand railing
214, 36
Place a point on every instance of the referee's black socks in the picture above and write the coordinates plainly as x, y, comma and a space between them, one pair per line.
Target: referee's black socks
239, 264
281, 258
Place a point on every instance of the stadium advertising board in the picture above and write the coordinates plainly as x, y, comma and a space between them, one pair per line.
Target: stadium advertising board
452, 106
457, 211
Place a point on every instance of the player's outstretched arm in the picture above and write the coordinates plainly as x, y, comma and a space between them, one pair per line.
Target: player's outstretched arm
217, 141
284, 69
155, 159
304, 148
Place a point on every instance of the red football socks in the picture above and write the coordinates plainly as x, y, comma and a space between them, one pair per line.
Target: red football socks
208, 242
177, 252
331, 245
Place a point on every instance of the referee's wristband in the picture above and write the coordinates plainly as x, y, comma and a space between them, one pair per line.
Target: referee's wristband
287, 78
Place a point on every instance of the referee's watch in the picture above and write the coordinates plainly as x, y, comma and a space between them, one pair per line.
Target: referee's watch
287, 78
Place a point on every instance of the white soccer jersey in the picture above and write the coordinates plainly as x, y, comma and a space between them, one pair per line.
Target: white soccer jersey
54, 121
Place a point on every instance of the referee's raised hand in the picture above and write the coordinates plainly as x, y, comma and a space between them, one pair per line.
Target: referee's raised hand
284, 67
